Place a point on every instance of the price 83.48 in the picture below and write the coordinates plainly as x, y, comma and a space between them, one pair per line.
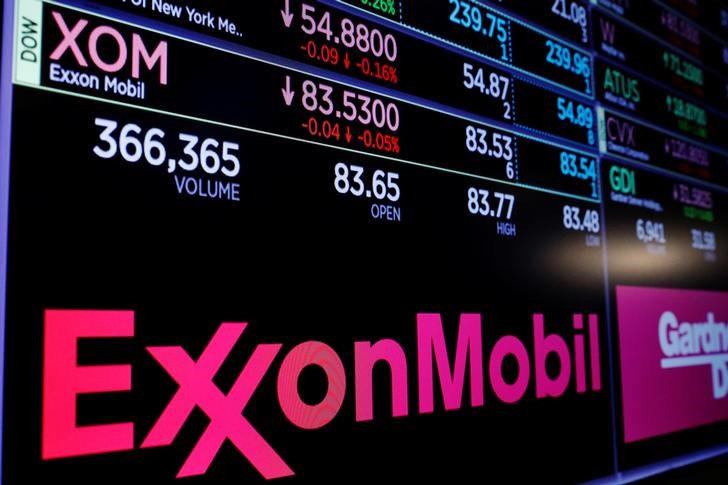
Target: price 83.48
575, 219
133, 143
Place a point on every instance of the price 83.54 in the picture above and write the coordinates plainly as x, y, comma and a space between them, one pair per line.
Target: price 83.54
133, 143
580, 167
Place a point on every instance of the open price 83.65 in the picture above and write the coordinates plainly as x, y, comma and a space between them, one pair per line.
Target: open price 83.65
134, 143
354, 180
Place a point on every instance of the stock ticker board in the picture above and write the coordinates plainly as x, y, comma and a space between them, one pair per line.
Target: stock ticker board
342, 240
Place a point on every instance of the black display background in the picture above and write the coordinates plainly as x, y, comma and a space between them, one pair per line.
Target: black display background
682, 267
299, 262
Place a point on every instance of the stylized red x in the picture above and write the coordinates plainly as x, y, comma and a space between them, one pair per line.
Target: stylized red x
225, 412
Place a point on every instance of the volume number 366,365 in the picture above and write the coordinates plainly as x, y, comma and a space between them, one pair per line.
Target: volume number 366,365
133, 143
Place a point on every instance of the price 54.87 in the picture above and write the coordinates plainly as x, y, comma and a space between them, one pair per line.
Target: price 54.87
133, 143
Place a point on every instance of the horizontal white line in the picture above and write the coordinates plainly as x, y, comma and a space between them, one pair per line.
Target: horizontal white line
673, 362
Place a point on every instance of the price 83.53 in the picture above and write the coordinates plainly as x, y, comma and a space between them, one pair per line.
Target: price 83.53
492, 144
133, 143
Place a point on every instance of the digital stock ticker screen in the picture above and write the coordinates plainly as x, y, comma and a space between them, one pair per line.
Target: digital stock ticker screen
328, 241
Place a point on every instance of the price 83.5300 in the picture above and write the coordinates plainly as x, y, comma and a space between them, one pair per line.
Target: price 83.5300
351, 117
354, 106
133, 143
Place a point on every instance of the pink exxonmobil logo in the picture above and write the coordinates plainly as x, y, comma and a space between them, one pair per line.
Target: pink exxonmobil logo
578, 356
674, 359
